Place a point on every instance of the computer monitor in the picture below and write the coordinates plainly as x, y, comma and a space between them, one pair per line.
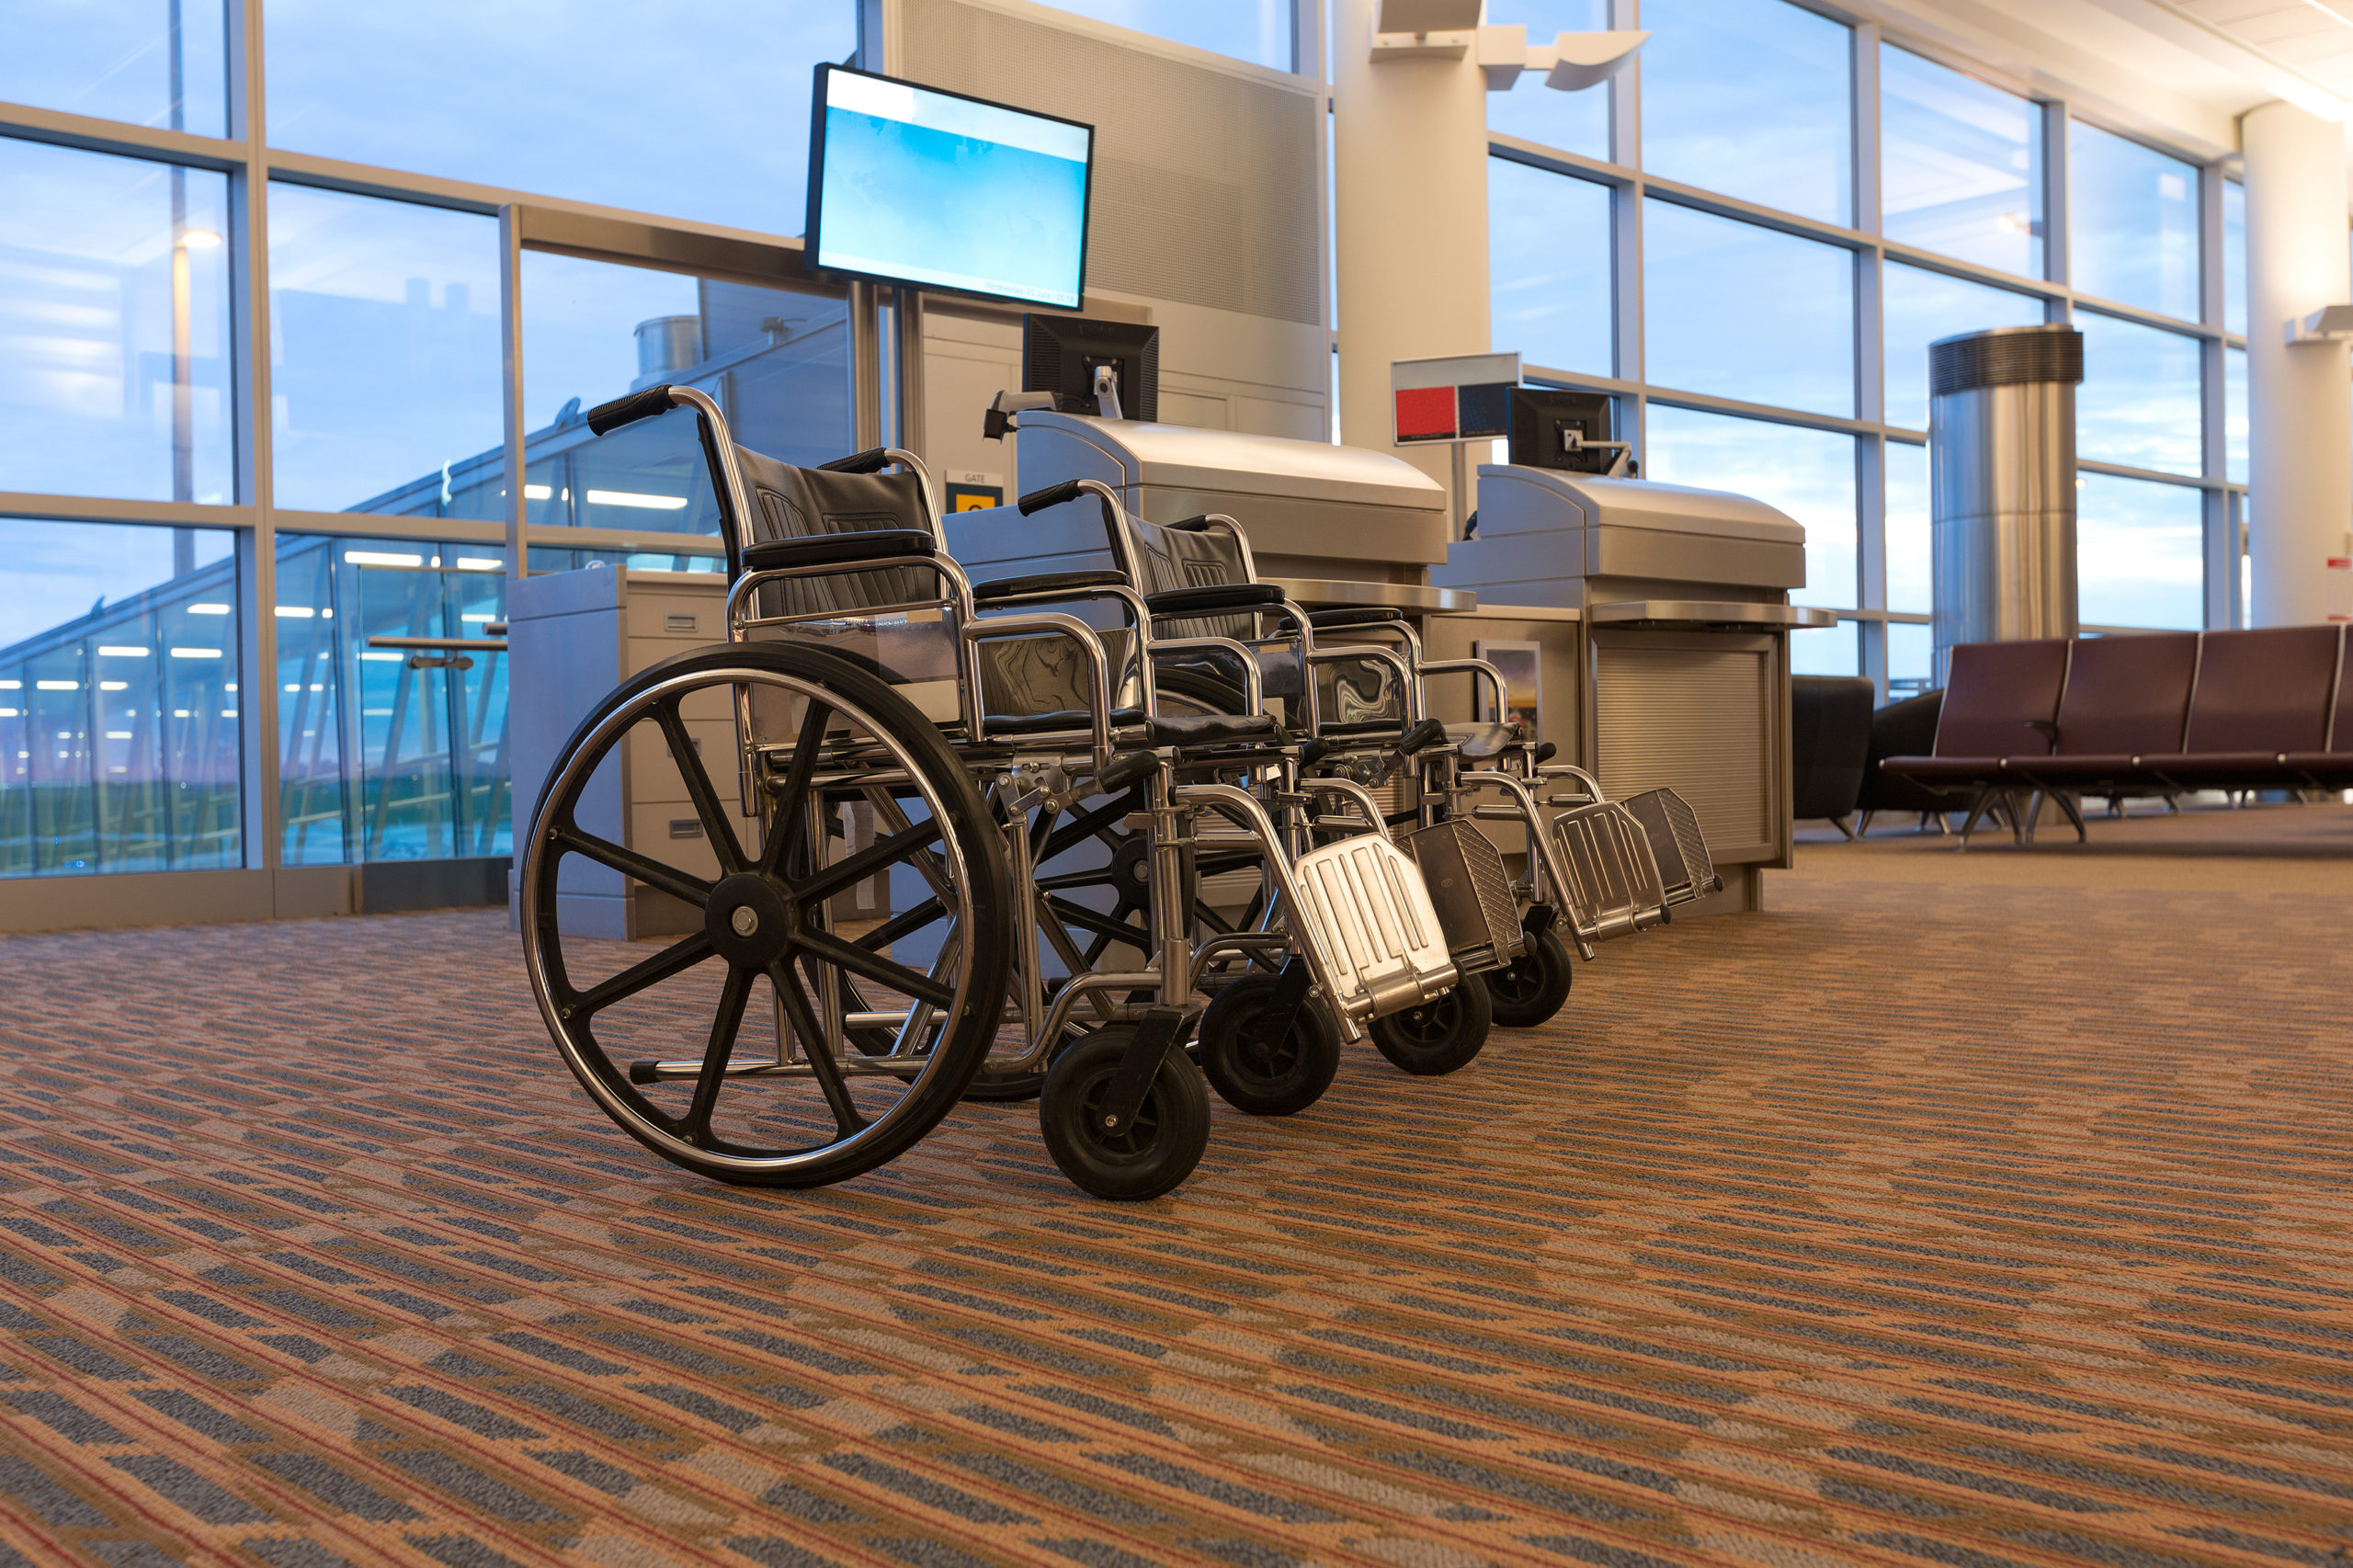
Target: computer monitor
1551, 428
911, 185
1061, 354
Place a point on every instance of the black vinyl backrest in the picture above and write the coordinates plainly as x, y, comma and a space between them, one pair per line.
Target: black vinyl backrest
800, 503
1172, 558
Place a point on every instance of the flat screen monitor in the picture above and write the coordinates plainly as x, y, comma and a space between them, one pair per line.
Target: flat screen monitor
911, 185
1061, 354
1551, 428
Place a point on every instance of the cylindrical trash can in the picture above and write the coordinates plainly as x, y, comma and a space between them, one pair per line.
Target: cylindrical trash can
2002, 457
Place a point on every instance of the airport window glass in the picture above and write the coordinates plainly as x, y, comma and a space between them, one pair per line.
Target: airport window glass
1736, 310
2235, 415
1258, 30
153, 62
1810, 475
2234, 256
701, 114
387, 752
1961, 165
114, 310
2140, 553
1548, 257
1751, 99
1911, 586
384, 357
2140, 403
119, 699
2134, 230
1911, 658
1919, 306
776, 359
1574, 122
1825, 651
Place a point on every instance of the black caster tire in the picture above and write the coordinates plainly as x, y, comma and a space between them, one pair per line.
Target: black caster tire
1438, 1036
1530, 989
1005, 1089
1154, 1153
1280, 1082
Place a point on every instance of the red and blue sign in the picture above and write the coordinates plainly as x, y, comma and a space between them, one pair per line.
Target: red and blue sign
1464, 398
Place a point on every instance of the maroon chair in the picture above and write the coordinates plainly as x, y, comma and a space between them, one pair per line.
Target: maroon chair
2127, 698
2261, 696
2001, 706
2333, 768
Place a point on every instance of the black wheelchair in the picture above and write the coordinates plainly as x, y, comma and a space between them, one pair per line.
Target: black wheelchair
889, 766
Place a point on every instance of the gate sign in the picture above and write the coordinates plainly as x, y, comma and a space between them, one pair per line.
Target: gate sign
1467, 398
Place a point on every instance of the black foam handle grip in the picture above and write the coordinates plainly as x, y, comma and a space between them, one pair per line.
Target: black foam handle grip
608, 417
1429, 731
1053, 496
874, 460
1190, 525
1128, 768
1545, 751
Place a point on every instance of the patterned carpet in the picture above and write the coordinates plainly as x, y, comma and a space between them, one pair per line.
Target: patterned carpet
1898, 1225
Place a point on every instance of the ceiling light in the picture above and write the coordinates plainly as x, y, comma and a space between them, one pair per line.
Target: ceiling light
631, 498
380, 558
196, 652
480, 563
122, 653
200, 239
207, 609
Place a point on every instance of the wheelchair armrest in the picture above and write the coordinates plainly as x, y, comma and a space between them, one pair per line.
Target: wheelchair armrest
1213, 596
839, 550
1001, 589
1354, 615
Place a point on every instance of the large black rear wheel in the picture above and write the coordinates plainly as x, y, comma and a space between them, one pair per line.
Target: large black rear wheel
790, 1030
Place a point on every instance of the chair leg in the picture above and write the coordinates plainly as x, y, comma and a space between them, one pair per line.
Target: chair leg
1943, 828
1863, 823
1977, 808
2022, 819
2073, 810
1840, 824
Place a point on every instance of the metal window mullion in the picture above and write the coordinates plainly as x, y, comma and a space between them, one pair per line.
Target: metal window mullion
510, 338
1625, 91
2057, 211
2220, 535
249, 376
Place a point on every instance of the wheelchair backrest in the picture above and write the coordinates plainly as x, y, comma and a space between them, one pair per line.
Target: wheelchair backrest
798, 502
1174, 558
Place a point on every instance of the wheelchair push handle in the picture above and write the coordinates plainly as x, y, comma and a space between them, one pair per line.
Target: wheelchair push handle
608, 417
1053, 496
874, 460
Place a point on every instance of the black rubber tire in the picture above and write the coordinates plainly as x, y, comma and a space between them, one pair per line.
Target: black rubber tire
986, 931
1530, 989
1158, 1150
1438, 1036
1301, 1066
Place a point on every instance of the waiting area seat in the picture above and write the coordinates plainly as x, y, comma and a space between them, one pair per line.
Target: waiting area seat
2155, 714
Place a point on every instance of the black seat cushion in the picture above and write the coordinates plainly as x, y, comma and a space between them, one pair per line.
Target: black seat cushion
833, 550
1175, 729
998, 588
1213, 596
1354, 615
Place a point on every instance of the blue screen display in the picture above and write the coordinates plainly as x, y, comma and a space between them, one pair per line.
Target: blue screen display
930, 188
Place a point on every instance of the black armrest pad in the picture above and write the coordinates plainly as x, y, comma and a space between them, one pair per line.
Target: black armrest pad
836, 550
1044, 581
1354, 615
1213, 596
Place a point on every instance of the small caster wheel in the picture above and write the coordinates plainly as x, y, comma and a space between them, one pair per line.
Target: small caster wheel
1291, 1075
1440, 1035
1149, 1156
1006, 1088
1533, 987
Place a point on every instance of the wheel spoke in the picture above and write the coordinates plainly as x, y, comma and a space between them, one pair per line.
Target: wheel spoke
819, 1049
644, 867
715, 825
1081, 827
1086, 920
852, 869
1065, 881
927, 864
716, 1052
899, 926
786, 825
831, 950
671, 961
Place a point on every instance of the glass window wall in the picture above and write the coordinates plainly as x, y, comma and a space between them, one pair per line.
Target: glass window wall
119, 726
2234, 257
1574, 122
1920, 307
776, 359
1960, 164
1548, 257
1810, 475
1736, 310
114, 313
384, 355
538, 96
2234, 415
2140, 402
387, 752
162, 64
2140, 554
1911, 584
1256, 30
1750, 98
2133, 233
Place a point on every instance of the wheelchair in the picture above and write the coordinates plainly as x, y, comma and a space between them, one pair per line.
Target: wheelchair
884, 762
1611, 868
